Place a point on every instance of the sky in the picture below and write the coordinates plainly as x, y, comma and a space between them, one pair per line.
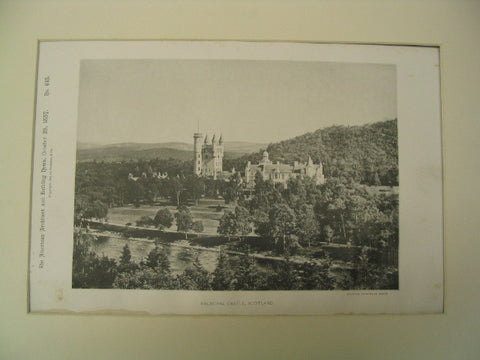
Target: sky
153, 101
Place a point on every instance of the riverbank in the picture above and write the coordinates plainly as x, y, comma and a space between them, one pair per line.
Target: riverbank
141, 245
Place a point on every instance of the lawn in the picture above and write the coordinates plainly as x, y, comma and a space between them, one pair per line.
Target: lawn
206, 212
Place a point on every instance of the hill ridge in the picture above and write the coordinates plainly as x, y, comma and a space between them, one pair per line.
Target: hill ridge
363, 153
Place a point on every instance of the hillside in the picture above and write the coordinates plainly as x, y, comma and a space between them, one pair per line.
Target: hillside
367, 154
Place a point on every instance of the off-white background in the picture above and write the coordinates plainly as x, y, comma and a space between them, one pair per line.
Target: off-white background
454, 25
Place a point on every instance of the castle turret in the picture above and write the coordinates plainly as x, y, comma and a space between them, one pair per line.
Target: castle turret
265, 159
197, 150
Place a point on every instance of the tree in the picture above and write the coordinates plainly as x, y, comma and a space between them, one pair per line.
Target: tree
144, 278
157, 259
261, 222
227, 225
333, 207
197, 226
242, 219
327, 233
87, 208
195, 277
152, 273
176, 187
80, 206
296, 192
376, 179
235, 223
316, 276
163, 218
88, 270
135, 192
125, 263
145, 221
307, 225
184, 220
223, 275
232, 189
103, 273
265, 194
196, 187
81, 252
287, 277
126, 255
282, 222
247, 276
211, 187
99, 209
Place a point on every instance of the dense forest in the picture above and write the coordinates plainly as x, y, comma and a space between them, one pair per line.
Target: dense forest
366, 154
103, 185
292, 220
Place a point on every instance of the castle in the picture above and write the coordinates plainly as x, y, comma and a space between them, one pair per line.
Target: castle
208, 156
281, 173
208, 162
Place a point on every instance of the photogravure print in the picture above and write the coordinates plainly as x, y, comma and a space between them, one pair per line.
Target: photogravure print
247, 207
234, 183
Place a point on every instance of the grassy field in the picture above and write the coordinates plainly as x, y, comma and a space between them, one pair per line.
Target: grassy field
206, 212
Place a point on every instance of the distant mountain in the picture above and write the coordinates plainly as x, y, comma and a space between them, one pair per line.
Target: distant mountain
135, 146
148, 151
88, 145
366, 154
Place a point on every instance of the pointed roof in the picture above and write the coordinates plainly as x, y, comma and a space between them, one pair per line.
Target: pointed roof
206, 139
213, 139
220, 141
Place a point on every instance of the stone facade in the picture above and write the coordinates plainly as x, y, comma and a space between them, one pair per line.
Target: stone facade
281, 173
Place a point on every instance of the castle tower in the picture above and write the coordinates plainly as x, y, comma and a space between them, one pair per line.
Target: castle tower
197, 150
218, 152
208, 156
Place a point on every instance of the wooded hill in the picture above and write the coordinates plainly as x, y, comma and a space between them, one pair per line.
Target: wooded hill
365, 154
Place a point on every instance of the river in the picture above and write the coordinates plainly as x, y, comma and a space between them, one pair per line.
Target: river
179, 256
